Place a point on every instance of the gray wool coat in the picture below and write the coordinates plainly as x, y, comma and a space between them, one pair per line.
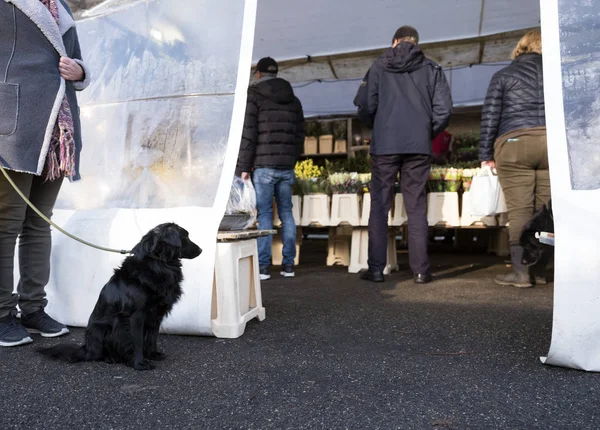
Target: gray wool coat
31, 88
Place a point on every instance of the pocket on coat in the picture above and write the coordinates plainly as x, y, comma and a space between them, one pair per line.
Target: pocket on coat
9, 108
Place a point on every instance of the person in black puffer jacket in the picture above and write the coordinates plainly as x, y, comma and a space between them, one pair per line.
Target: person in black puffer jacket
513, 140
272, 141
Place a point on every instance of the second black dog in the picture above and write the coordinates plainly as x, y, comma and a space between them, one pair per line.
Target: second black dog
533, 249
124, 325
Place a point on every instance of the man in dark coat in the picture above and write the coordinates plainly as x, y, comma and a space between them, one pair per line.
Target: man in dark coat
272, 140
409, 100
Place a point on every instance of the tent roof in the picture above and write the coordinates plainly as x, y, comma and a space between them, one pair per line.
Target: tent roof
288, 29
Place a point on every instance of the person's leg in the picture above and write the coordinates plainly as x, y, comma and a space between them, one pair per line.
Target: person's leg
517, 178
35, 244
283, 196
384, 172
413, 180
264, 184
542, 174
542, 197
12, 216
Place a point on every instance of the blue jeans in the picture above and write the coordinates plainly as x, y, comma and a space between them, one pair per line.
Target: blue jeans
279, 183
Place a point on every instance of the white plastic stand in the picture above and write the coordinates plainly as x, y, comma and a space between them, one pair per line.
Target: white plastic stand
277, 248
359, 254
296, 211
338, 244
366, 211
467, 220
400, 217
345, 209
315, 210
443, 209
237, 296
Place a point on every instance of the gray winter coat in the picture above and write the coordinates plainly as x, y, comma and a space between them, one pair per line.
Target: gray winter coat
31, 88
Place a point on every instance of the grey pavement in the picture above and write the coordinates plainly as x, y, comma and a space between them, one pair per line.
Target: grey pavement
333, 353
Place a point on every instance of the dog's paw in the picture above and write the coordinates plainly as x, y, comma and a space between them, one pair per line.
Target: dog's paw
143, 365
157, 356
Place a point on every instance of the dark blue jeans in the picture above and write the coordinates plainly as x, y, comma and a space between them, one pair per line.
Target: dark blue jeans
277, 183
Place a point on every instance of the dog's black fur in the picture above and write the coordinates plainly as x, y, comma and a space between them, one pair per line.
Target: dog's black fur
124, 325
533, 249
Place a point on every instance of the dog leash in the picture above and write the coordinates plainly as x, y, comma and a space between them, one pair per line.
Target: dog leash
45, 218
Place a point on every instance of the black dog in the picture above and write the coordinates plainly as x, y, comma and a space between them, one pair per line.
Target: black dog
533, 249
124, 325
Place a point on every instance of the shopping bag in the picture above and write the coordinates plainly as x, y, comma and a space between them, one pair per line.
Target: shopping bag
486, 194
240, 213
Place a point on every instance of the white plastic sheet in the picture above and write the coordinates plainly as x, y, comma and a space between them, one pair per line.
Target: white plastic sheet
161, 126
571, 66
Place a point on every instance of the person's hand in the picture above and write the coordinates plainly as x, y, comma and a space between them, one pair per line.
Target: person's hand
70, 70
490, 164
245, 176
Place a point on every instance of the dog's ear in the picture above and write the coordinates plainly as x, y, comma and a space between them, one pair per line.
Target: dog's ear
171, 237
146, 245
169, 244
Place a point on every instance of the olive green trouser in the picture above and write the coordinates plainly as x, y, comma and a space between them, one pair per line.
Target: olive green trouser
522, 165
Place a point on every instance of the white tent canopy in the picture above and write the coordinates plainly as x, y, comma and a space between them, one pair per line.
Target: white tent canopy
325, 48
287, 29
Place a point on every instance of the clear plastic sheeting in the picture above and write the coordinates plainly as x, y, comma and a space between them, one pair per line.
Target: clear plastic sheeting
570, 34
162, 123
156, 117
580, 52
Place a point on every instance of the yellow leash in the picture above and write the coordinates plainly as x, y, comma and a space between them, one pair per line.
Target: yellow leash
45, 218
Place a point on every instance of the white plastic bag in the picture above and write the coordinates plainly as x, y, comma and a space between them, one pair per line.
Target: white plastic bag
487, 198
241, 207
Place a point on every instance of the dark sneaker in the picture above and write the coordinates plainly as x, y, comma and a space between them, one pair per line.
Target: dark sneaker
367, 275
421, 279
12, 333
40, 322
264, 274
287, 271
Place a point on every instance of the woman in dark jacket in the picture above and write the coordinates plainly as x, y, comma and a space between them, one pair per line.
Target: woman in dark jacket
40, 140
513, 140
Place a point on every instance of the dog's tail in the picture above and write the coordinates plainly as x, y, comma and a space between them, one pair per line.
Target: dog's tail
65, 352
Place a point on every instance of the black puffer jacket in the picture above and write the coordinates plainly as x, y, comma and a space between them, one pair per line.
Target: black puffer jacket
274, 127
514, 101
409, 99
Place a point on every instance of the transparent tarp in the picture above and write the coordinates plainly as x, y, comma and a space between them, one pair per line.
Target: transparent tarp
570, 31
156, 117
162, 123
580, 52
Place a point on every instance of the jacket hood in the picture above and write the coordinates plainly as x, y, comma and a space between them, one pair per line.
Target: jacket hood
405, 57
276, 90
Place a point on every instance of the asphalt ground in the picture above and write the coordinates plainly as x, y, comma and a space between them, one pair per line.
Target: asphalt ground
333, 353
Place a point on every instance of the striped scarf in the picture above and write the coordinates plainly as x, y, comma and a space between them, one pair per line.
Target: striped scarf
60, 160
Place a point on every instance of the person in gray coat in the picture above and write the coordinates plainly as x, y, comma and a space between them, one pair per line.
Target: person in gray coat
40, 140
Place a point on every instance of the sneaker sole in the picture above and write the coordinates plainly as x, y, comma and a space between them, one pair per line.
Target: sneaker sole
23, 341
50, 335
264, 277
288, 275
512, 284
